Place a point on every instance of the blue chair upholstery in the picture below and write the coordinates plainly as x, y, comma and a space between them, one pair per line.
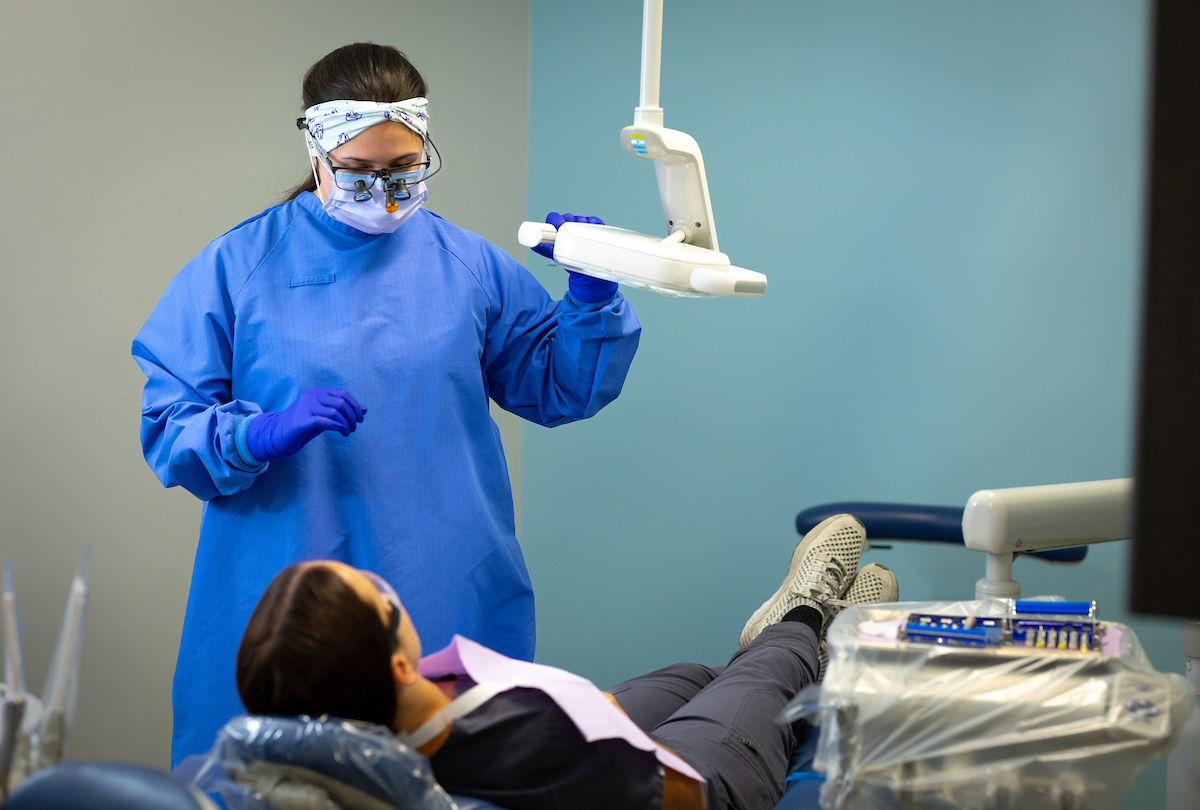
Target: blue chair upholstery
902, 521
120, 786
101, 786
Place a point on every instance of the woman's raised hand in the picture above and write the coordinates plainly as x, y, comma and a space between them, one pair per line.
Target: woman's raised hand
276, 434
586, 289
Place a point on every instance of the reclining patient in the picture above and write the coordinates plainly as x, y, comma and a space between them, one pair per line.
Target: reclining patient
330, 639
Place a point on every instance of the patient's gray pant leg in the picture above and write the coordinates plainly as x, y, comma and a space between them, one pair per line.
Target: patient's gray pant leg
728, 731
650, 699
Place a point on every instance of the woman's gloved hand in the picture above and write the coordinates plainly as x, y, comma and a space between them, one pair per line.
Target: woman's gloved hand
275, 434
584, 288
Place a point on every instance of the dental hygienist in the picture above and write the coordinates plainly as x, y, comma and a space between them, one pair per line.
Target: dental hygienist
319, 376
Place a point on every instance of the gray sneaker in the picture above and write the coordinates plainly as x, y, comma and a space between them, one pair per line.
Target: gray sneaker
822, 566
873, 583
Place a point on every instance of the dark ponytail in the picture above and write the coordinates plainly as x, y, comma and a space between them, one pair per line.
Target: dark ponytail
360, 72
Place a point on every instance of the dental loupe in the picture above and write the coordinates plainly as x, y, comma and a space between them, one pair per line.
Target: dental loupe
688, 262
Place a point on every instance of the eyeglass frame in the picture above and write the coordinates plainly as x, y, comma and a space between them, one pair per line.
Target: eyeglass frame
393, 628
389, 594
377, 174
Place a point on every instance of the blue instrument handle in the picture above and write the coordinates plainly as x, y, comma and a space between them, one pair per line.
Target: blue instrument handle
1054, 608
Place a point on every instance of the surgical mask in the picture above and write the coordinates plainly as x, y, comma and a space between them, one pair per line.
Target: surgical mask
371, 215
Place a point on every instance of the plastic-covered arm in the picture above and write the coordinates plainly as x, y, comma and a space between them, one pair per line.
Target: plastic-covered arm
552, 362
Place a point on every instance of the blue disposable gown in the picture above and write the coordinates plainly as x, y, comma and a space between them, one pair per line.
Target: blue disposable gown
421, 326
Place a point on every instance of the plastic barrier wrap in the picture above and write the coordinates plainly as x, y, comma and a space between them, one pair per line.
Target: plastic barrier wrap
290, 763
975, 718
20, 714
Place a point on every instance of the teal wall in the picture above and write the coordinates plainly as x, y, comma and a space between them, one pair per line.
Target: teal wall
945, 197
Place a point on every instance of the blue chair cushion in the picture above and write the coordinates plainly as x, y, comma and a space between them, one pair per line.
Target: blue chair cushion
101, 786
803, 785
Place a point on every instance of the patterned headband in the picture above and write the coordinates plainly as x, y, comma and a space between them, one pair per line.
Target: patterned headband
333, 123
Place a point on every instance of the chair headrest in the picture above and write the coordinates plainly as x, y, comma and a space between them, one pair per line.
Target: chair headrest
366, 758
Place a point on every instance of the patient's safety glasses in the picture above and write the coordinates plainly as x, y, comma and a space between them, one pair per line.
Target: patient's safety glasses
393, 599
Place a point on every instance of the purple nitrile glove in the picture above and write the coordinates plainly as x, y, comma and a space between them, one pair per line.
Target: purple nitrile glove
275, 434
584, 288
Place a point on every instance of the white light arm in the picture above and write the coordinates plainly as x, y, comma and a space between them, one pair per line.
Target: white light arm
648, 111
682, 185
688, 262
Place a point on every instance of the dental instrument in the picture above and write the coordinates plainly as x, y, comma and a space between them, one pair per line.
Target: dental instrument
62, 682
20, 712
14, 670
688, 262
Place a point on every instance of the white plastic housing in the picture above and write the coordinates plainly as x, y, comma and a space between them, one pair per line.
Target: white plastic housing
682, 185
669, 267
1000, 521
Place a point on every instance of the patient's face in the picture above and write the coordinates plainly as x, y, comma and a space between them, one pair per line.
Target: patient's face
408, 642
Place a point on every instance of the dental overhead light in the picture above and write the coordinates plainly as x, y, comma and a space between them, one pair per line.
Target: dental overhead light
688, 262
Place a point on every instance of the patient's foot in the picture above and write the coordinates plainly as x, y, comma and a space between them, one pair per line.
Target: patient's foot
872, 584
818, 577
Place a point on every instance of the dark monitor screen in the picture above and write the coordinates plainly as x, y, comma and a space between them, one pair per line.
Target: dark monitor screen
1165, 575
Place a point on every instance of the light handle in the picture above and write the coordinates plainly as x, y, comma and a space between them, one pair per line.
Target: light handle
536, 234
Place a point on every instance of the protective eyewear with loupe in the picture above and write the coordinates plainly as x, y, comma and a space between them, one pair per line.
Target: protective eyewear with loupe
395, 181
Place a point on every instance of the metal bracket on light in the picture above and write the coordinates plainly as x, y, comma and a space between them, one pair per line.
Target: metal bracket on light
688, 262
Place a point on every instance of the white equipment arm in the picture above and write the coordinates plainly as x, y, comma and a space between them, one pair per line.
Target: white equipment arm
688, 262
1054, 516
1002, 522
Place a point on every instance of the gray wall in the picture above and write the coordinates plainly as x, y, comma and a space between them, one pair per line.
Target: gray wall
134, 133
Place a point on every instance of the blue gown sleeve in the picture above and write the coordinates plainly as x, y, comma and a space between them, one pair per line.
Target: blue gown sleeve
552, 362
190, 420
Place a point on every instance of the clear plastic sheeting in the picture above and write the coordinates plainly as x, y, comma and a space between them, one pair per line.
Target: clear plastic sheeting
20, 714
296, 763
984, 723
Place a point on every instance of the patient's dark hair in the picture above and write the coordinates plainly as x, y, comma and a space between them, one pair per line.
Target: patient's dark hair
314, 646
363, 71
